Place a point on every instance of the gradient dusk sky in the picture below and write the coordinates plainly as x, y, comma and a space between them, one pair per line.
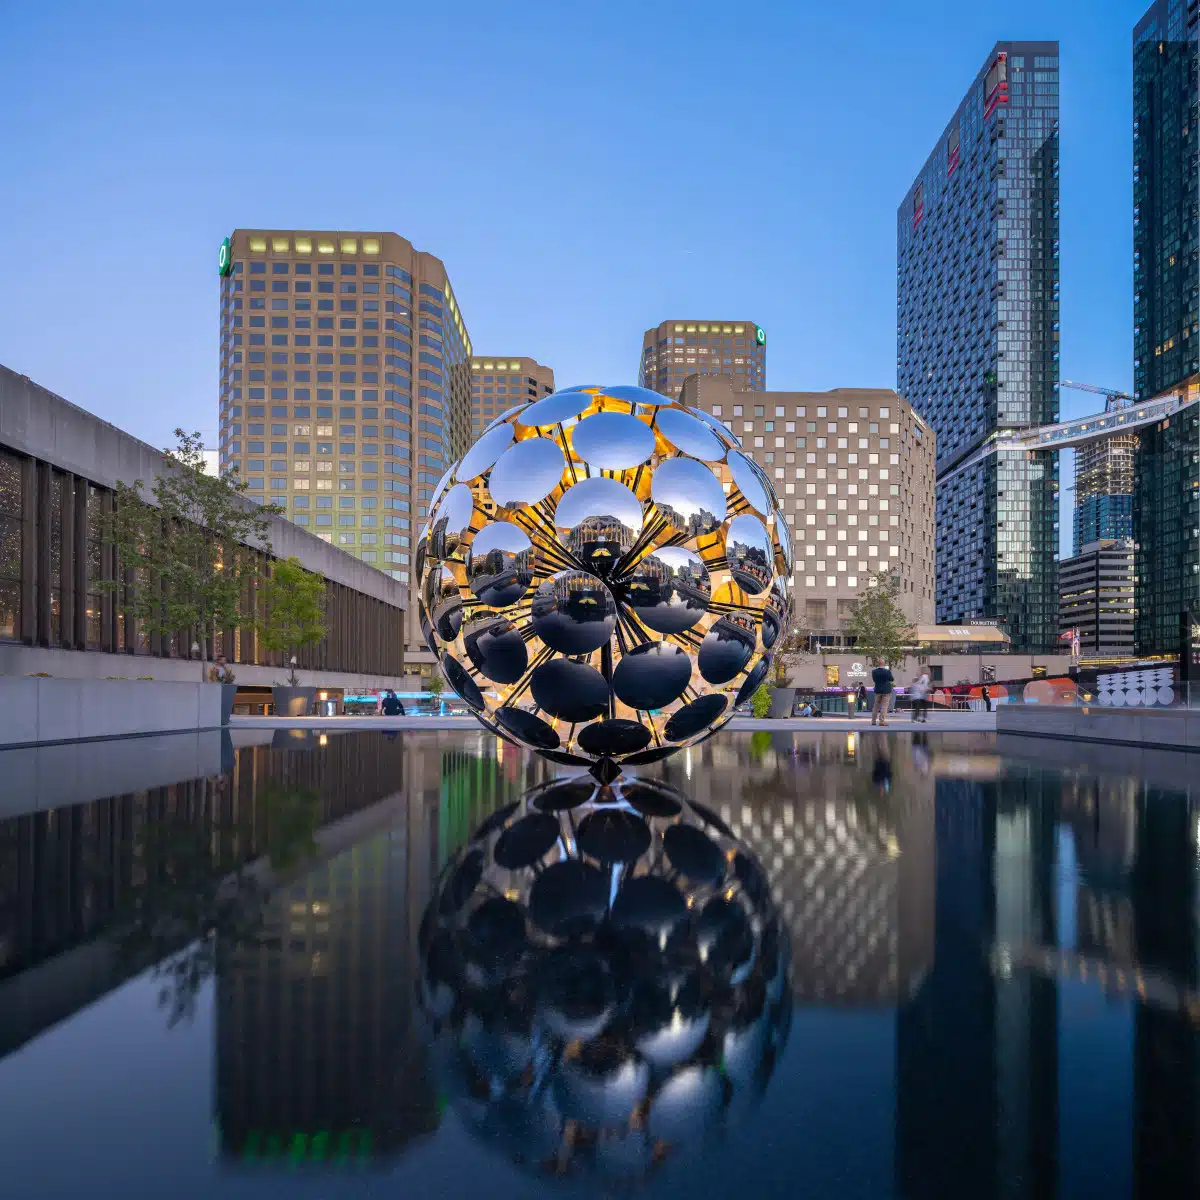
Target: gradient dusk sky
585, 171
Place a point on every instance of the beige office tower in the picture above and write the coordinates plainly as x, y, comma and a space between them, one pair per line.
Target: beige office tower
676, 349
498, 384
854, 470
345, 386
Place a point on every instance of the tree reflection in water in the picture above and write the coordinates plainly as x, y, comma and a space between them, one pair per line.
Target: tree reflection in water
200, 900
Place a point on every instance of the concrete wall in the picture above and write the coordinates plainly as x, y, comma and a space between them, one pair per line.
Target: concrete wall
1162, 728
17, 660
58, 775
37, 422
61, 710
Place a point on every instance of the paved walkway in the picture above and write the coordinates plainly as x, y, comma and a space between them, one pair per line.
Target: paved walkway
942, 722
957, 722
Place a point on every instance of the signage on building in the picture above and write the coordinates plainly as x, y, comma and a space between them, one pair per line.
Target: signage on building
857, 671
995, 85
225, 259
992, 621
760, 335
832, 675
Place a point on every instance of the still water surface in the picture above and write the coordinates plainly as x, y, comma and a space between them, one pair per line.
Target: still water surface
209, 967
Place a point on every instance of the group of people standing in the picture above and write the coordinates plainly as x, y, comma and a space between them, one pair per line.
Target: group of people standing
884, 683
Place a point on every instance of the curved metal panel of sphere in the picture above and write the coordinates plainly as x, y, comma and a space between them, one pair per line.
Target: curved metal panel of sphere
499, 564
574, 613
718, 427
650, 676
689, 495
669, 589
599, 519
495, 647
554, 409
570, 690
784, 562
527, 473
612, 441
690, 434
541, 577
749, 481
748, 551
727, 648
452, 522
636, 395
483, 455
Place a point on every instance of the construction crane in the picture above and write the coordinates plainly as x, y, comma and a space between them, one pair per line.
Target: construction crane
1113, 399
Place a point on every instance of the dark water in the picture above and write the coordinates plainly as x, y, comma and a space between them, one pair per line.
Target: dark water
208, 967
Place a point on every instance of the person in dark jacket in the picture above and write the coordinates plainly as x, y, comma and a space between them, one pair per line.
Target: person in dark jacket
987, 697
883, 680
860, 699
391, 704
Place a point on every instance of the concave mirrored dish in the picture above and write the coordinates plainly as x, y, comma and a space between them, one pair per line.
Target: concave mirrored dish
527, 473
612, 441
669, 589
554, 409
690, 434
604, 982
586, 585
499, 564
689, 495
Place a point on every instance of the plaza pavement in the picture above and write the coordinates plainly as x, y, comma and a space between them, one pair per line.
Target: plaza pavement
944, 722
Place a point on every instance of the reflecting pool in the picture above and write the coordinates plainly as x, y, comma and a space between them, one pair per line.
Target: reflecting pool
210, 974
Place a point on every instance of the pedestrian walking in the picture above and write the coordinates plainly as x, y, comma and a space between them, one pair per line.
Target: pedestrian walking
987, 697
860, 698
884, 681
920, 703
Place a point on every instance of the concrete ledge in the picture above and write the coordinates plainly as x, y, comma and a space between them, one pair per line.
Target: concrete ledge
35, 711
1159, 728
60, 774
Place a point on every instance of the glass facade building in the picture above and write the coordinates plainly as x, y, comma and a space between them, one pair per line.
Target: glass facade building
345, 387
977, 339
1166, 314
1104, 474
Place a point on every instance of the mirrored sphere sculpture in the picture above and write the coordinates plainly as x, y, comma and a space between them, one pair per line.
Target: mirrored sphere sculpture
604, 576
605, 979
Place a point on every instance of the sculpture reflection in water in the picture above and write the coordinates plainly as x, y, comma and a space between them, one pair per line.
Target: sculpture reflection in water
606, 977
604, 576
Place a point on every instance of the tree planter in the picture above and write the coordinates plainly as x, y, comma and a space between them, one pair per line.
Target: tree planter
783, 699
293, 701
228, 692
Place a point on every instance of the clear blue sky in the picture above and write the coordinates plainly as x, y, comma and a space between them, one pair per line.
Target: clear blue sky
585, 171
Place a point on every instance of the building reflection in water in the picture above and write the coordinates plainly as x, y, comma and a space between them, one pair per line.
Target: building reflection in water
319, 1059
967, 890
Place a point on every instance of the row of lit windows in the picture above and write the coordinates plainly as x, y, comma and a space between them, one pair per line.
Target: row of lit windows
304, 245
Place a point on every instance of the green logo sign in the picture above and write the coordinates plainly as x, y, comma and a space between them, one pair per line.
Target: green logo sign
225, 259
760, 335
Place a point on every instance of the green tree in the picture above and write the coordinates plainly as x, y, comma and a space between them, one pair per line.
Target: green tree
293, 610
792, 651
185, 544
435, 685
878, 625
760, 702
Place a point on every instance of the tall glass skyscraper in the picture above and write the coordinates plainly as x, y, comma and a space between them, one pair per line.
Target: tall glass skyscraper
1166, 315
977, 338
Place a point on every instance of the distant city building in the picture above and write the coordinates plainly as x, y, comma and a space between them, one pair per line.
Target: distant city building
676, 349
1166, 316
1096, 587
1104, 473
977, 338
854, 470
345, 386
498, 384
